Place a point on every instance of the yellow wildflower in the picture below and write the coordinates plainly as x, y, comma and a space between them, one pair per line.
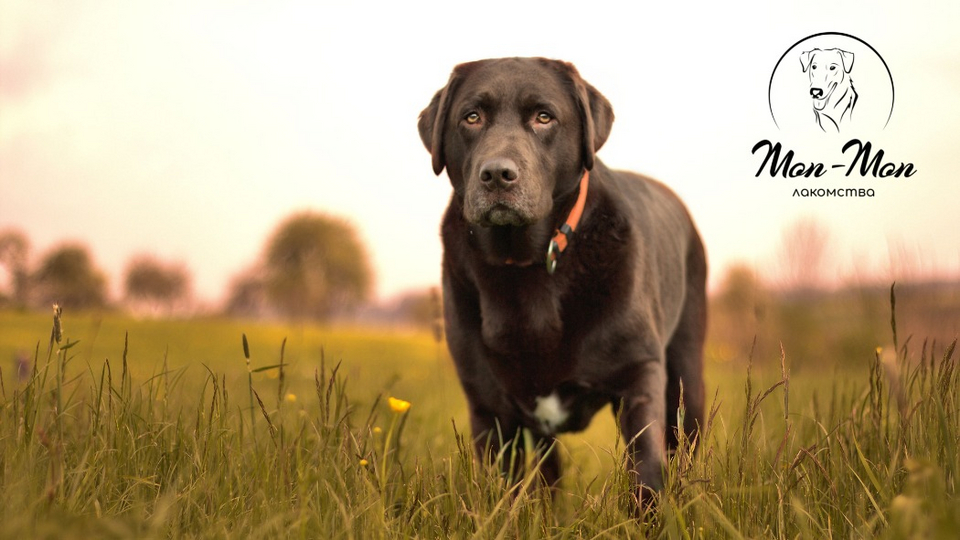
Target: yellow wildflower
398, 405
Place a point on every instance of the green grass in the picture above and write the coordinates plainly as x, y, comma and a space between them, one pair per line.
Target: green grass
158, 429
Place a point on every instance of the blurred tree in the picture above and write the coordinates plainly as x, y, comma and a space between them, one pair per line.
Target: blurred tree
247, 296
739, 309
14, 252
424, 309
741, 294
67, 276
316, 265
154, 284
803, 256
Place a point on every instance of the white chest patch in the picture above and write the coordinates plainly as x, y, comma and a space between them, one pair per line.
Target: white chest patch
550, 412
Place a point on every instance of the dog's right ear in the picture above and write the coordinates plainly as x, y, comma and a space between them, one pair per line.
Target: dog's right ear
846, 58
434, 118
806, 58
596, 113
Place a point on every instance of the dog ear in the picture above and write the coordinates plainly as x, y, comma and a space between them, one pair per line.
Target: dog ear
847, 59
596, 114
434, 118
806, 58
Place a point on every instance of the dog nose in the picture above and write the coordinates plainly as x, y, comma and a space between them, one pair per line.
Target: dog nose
499, 173
816, 92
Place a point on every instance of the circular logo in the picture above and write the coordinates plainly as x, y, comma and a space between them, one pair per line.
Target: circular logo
831, 82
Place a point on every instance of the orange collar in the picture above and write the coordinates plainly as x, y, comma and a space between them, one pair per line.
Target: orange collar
562, 237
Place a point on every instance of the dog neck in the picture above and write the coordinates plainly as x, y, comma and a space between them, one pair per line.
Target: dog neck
511, 246
839, 109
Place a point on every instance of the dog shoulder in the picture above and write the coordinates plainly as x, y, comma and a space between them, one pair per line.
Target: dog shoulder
643, 200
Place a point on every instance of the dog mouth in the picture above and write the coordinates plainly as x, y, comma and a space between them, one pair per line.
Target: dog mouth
819, 98
503, 215
519, 205
498, 209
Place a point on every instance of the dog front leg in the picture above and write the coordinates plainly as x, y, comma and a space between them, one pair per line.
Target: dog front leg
501, 442
641, 416
496, 441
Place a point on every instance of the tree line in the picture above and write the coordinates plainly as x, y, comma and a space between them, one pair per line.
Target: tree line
313, 266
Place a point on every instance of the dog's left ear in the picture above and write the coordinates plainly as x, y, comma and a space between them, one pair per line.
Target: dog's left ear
806, 58
434, 118
847, 59
596, 114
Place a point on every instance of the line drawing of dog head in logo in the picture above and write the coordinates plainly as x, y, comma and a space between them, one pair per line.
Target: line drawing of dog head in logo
831, 86
823, 87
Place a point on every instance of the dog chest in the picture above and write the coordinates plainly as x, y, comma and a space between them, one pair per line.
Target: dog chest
520, 315
568, 407
550, 411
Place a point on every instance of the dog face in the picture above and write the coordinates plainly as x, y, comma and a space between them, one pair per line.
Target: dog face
514, 134
827, 70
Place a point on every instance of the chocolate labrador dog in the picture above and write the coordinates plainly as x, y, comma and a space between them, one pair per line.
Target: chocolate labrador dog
566, 285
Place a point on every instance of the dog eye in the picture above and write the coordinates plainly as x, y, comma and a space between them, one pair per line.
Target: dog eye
833, 68
472, 118
544, 117
813, 66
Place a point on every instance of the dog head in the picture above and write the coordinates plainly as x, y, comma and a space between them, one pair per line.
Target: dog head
514, 134
826, 69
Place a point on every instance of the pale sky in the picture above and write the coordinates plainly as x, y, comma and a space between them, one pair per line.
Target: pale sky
190, 129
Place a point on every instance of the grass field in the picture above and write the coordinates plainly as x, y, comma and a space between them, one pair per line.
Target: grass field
162, 429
